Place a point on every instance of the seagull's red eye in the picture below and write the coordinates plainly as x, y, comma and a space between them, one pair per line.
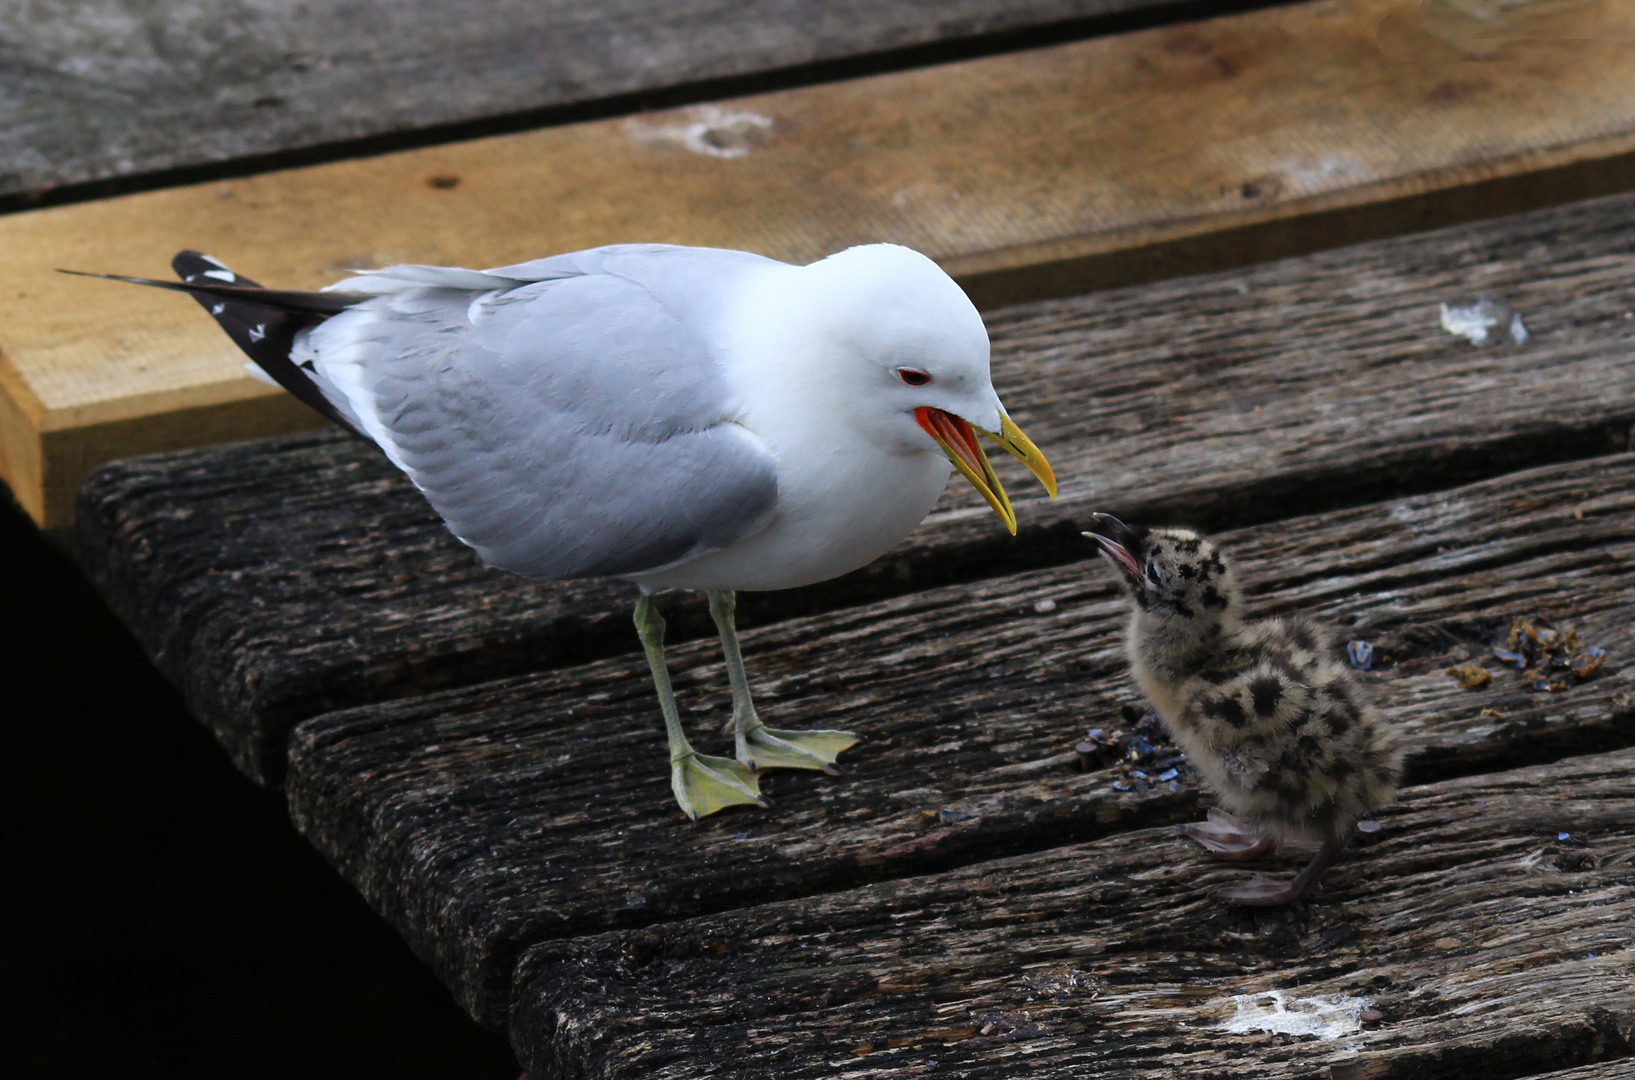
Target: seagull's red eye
912, 376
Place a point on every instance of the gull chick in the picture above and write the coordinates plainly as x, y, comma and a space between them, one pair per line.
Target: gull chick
1278, 726
678, 417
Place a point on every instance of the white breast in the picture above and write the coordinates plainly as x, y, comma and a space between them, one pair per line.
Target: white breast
845, 495
861, 505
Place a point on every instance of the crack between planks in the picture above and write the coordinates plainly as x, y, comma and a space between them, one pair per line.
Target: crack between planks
1506, 1060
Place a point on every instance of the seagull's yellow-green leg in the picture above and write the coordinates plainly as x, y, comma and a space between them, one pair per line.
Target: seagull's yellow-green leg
758, 746
703, 784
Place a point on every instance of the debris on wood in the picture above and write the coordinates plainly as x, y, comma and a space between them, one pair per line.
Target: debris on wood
1150, 759
1483, 321
1361, 654
1282, 1012
1549, 659
1144, 757
1471, 676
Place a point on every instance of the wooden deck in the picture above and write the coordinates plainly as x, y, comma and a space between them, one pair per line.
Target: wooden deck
1484, 944
481, 757
483, 819
511, 818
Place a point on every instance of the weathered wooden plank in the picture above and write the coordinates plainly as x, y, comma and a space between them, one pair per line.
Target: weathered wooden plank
482, 820
276, 580
1047, 172
1493, 928
119, 88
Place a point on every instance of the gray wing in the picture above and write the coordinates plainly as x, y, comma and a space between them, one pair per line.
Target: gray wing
578, 424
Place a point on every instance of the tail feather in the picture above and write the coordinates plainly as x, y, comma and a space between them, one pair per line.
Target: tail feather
262, 322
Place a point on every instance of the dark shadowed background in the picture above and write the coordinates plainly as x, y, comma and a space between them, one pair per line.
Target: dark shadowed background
159, 915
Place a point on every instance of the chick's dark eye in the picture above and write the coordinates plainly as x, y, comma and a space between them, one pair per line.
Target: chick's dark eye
913, 377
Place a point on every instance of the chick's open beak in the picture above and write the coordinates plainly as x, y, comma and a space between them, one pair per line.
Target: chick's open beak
1116, 540
958, 440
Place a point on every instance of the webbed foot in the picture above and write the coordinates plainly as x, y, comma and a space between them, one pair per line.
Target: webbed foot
1229, 838
704, 784
1264, 891
761, 747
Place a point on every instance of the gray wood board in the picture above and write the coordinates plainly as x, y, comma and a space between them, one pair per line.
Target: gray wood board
279, 579
483, 820
99, 89
1492, 927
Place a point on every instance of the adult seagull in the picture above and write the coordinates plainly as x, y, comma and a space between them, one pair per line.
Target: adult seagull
678, 417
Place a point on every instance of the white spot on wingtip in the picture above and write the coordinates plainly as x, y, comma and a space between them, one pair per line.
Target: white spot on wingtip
217, 309
213, 261
221, 275
258, 332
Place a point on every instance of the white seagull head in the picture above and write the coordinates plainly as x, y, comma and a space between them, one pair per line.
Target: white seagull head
898, 351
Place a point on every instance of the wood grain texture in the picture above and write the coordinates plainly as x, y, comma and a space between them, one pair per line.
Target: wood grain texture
1046, 172
482, 820
114, 88
1491, 947
273, 581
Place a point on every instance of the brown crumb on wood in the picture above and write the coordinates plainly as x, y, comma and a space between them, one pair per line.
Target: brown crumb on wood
1471, 676
444, 181
1491, 713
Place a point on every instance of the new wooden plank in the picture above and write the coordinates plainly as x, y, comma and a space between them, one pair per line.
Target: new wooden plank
99, 89
482, 820
1493, 928
1046, 172
273, 581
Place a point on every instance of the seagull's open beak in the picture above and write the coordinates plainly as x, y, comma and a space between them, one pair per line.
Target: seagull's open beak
958, 440
1115, 540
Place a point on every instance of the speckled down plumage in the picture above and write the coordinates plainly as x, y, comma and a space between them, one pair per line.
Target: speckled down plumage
1277, 724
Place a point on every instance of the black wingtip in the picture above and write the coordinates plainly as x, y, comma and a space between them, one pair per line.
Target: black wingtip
262, 322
